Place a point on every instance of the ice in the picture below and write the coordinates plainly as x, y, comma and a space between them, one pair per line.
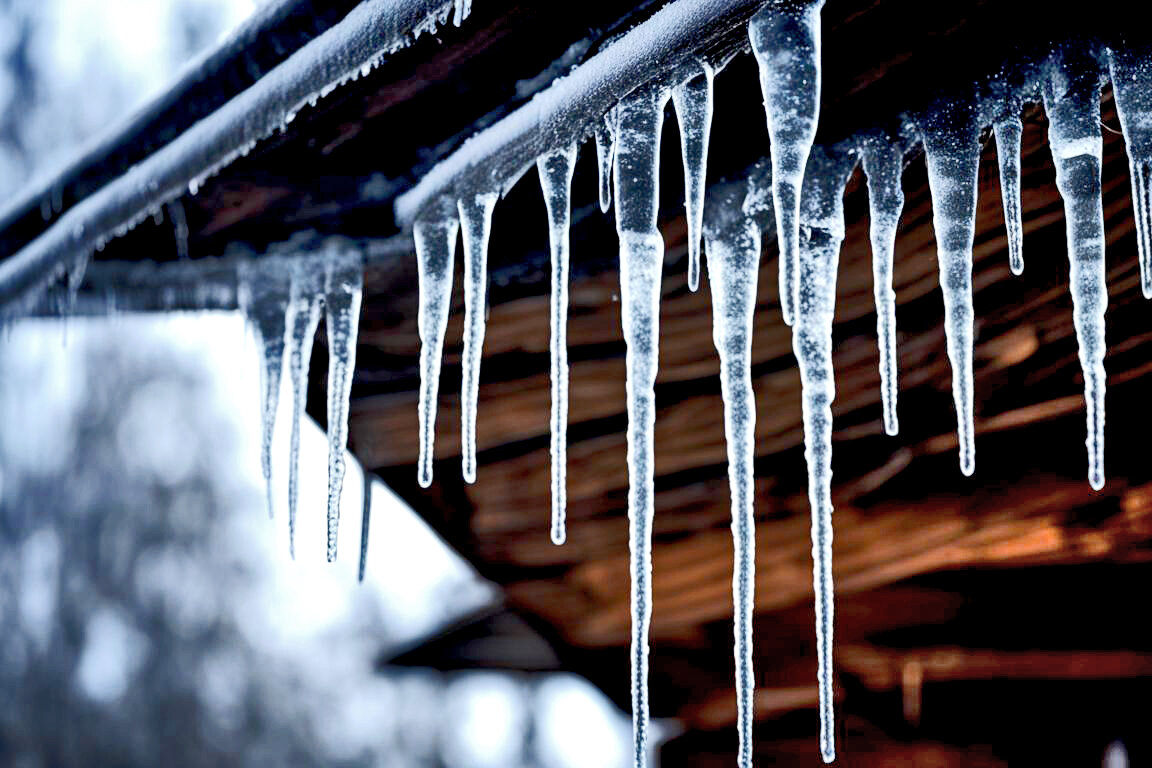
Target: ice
822, 231
555, 170
693, 102
786, 41
365, 520
733, 250
435, 254
1072, 102
952, 150
476, 221
1008, 130
883, 161
304, 314
605, 155
641, 258
1132, 88
265, 301
344, 287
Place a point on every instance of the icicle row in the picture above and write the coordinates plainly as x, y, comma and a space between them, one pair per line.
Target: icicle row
1072, 101
952, 150
344, 284
733, 247
884, 167
1132, 88
1008, 130
555, 170
641, 258
786, 41
693, 102
476, 221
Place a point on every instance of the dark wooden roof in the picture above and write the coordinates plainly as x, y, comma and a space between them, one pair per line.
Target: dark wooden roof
980, 621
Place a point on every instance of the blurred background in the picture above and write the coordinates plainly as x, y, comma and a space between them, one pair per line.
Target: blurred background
151, 613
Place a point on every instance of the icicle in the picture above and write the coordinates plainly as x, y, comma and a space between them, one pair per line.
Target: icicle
556, 181
77, 269
265, 301
365, 520
1132, 89
1008, 130
884, 167
305, 317
1072, 101
822, 231
344, 284
733, 244
641, 117
605, 154
786, 41
952, 149
435, 254
693, 101
476, 220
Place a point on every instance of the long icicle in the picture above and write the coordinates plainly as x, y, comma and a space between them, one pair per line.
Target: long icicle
1008, 130
785, 38
693, 102
733, 247
476, 221
1072, 101
952, 149
883, 161
344, 287
435, 254
822, 216
641, 117
555, 170
1132, 88
305, 318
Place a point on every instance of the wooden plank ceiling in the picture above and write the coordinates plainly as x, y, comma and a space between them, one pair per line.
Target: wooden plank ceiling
983, 611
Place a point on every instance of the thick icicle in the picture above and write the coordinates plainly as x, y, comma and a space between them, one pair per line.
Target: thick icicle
693, 101
435, 253
641, 117
822, 231
1072, 101
304, 305
1132, 89
786, 41
952, 149
605, 156
344, 282
556, 181
265, 301
476, 220
733, 245
884, 167
1008, 130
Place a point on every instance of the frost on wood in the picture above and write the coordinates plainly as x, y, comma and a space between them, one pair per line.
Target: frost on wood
1072, 101
786, 41
476, 222
693, 101
555, 170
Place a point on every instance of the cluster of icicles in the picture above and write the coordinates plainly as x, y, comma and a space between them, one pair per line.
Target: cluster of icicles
800, 192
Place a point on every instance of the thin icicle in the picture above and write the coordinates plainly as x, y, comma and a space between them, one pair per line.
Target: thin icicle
693, 101
1132, 89
555, 170
304, 304
605, 156
1072, 101
952, 150
265, 301
344, 287
641, 117
786, 41
1008, 130
733, 244
884, 167
822, 217
435, 254
365, 520
476, 220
